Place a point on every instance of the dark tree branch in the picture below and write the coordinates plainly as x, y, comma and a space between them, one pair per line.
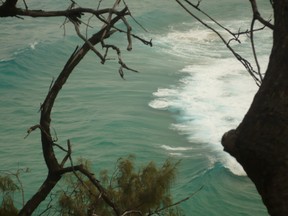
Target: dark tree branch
73, 12
243, 61
196, 6
94, 181
40, 195
247, 33
120, 61
49, 206
254, 50
258, 17
176, 203
68, 155
76, 25
11, 3
8, 8
55, 169
32, 129
26, 7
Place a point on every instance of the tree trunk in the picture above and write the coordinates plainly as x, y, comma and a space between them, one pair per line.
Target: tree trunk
260, 143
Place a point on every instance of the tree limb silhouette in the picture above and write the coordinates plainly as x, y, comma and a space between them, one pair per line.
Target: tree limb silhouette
108, 17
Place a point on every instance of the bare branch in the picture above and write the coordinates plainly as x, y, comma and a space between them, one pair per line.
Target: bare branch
94, 181
60, 147
120, 61
68, 155
100, 188
254, 50
74, 15
149, 43
212, 19
20, 183
32, 129
129, 47
177, 203
55, 169
26, 7
76, 25
247, 33
257, 15
49, 206
78, 12
243, 61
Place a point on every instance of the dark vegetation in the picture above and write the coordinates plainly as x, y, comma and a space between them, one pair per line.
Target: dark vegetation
144, 191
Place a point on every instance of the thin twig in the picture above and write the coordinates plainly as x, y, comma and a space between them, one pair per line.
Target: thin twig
254, 50
211, 18
49, 206
256, 15
21, 187
87, 41
26, 7
177, 203
244, 62
129, 47
120, 61
68, 155
32, 129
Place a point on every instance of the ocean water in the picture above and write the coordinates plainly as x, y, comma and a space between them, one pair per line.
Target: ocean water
189, 91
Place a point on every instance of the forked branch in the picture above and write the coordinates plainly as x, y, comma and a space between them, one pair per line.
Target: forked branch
56, 169
256, 75
257, 15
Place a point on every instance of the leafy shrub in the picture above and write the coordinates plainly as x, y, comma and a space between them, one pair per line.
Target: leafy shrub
145, 191
7, 189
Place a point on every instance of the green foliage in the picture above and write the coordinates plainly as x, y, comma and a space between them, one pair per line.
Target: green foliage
146, 190
7, 185
7, 189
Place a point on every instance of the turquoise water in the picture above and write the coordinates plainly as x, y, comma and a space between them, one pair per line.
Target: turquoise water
190, 90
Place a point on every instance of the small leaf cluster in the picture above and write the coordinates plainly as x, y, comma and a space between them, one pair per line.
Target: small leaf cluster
7, 189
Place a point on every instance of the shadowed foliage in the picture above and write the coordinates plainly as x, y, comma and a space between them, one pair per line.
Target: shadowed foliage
7, 189
140, 192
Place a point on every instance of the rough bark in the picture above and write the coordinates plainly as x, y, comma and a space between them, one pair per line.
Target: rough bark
8, 8
260, 143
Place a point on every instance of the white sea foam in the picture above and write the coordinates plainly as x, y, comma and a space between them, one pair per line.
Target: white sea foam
169, 148
231, 163
195, 41
159, 104
33, 45
175, 45
213, 97
165, 92
176, 154
212, 100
